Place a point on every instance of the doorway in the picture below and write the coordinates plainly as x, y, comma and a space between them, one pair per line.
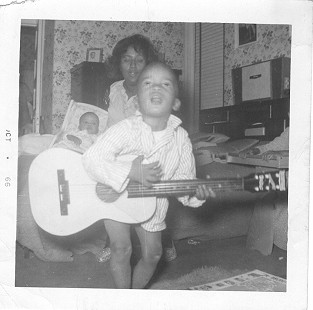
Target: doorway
27, 78
31, 68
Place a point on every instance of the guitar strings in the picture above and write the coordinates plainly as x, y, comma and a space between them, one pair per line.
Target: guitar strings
144, 191
169, 187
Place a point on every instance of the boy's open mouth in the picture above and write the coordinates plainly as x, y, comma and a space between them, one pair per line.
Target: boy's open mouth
156, 99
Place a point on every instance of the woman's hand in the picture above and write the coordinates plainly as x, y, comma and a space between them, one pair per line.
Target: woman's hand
146, 174
203, 192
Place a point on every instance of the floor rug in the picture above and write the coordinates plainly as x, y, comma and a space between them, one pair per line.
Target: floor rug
196, 277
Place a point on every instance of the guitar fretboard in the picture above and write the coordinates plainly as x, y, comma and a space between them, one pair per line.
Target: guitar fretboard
173, 188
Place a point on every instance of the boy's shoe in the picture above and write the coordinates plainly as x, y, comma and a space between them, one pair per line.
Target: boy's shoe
170, 253
104, 256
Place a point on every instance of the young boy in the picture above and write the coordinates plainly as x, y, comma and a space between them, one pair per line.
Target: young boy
163, 152
87, 133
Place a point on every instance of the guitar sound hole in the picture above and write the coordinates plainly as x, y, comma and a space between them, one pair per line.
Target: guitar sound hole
106, 193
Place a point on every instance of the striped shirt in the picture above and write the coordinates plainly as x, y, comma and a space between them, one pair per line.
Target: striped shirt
121, 106
105, 160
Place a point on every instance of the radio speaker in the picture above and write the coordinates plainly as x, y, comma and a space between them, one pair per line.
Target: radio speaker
265, 80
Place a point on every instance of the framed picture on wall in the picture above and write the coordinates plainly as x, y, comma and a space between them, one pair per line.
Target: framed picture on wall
94, 54
245, 34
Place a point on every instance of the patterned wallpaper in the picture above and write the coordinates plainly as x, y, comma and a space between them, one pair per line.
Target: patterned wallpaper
273, 41
73, 38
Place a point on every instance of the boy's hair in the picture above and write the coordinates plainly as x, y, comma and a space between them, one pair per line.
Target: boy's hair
87, 114
141, 45
166, 67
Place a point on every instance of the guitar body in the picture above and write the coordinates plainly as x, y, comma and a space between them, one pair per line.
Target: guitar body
82, 207
64, 200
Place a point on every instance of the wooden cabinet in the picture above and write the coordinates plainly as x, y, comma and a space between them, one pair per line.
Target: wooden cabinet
89, 83
261, 103
233, 121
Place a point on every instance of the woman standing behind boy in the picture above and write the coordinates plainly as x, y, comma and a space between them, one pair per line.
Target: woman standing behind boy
129, 57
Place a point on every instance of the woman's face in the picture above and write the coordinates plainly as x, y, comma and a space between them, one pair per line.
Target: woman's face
132, 63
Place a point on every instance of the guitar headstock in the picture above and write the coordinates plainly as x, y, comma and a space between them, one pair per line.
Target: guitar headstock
268, 181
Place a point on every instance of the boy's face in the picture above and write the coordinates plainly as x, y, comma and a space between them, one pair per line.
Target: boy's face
156, 92
89, 122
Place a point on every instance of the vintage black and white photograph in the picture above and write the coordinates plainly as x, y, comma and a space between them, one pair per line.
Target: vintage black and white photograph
94, 54
246, 33
154, 156
81, 214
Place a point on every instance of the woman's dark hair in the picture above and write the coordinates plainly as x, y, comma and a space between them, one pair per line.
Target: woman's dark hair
140, 44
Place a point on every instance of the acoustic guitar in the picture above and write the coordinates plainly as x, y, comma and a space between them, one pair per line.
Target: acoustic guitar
65, 200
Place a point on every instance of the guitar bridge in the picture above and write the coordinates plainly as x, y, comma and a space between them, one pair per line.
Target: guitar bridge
64, 195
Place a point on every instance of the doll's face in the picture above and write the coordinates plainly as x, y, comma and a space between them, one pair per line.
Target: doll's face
89, 122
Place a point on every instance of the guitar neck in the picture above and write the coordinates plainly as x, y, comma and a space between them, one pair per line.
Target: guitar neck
261, 182
182, 187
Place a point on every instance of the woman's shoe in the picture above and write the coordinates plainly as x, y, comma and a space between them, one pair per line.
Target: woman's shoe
104, 256
170, 253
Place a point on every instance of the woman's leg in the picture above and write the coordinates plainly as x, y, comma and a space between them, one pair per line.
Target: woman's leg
151, 251
121, 249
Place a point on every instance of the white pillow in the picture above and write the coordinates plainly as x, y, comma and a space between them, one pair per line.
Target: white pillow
33, 143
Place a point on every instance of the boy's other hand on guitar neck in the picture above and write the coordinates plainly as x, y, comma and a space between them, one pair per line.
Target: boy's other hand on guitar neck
204, 192
146, 174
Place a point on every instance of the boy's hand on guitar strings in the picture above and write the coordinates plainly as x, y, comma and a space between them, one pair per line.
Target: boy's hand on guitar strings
203, 192
146, 174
